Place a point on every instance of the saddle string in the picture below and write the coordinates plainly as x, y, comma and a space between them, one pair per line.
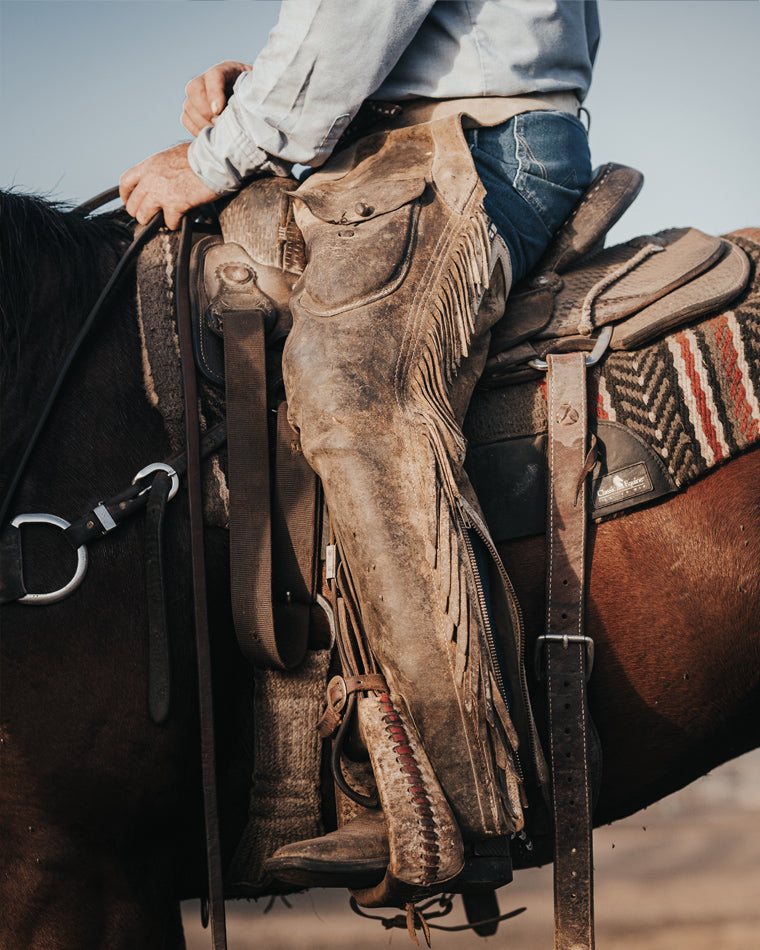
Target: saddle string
425, 913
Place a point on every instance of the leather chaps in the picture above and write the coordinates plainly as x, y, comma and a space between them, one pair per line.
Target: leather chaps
391, 323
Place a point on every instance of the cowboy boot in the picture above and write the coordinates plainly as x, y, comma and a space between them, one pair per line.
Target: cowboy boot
356, 855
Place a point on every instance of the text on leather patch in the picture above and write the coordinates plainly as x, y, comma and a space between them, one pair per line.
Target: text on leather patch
625, 483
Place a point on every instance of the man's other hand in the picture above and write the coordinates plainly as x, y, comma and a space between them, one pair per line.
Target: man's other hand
207, 95
164, 182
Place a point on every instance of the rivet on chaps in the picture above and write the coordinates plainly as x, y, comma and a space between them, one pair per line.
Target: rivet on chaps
391, 324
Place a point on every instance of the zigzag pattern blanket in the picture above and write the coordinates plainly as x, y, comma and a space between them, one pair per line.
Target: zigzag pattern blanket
693, 396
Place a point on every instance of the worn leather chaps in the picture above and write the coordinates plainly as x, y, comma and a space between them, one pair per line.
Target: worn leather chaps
391, 322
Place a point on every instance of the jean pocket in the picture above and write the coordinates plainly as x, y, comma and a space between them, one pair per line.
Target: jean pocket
553, 163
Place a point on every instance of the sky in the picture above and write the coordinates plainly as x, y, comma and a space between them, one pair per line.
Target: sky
90, 87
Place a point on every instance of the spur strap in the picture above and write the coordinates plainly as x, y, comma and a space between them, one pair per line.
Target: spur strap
567, 652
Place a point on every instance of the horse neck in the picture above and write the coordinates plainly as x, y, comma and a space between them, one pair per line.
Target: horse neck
102, 400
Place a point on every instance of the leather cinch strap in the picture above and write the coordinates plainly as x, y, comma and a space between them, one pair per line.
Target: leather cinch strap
566, 649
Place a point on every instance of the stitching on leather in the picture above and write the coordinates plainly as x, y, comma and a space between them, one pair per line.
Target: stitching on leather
411, 773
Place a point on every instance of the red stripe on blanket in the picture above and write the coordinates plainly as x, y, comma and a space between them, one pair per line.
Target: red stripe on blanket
699, 397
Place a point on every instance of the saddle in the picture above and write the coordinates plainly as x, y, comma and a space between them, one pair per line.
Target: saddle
640, 290
581, 297
585, 298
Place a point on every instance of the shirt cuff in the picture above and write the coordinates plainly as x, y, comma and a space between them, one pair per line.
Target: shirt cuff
223, 157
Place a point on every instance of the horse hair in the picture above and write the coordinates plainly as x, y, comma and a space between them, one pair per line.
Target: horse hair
36, 232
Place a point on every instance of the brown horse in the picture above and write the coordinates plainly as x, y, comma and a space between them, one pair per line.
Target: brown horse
100, 813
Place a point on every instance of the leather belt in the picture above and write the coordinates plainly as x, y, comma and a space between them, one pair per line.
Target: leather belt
270, 610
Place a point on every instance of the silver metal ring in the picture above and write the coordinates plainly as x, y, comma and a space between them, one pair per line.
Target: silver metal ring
159, 467
81, 568
600, 348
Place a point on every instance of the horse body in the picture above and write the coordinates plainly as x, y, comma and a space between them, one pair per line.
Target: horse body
100, 813
672, 608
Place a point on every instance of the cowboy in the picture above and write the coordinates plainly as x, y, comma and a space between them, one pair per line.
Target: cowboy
448, 149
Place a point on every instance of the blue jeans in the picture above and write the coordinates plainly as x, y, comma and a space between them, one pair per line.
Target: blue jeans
534, 167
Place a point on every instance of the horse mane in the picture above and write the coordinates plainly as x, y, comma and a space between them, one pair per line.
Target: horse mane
53, 250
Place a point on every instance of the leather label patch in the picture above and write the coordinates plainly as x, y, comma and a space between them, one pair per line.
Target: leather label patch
625, 483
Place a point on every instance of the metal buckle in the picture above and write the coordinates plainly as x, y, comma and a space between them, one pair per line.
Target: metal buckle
337, 682
600, 347
81, 552
158, 467
565, 639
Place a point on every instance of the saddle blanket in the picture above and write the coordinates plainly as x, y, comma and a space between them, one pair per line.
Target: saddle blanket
666, 414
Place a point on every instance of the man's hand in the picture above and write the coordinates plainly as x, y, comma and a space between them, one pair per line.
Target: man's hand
164, 182
207, 94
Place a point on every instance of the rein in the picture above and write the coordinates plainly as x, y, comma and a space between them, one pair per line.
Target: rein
195, 502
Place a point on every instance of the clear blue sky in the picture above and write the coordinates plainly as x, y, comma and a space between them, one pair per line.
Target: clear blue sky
89, 87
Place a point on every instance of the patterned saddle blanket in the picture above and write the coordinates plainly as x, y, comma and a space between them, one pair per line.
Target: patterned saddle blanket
664, 414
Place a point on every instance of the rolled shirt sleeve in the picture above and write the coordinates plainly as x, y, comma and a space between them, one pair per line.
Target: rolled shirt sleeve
325, 57
322, 60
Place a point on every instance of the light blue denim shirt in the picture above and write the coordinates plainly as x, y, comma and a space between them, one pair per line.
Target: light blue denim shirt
325, 57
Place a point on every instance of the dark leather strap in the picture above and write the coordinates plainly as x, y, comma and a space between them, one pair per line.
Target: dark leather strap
12, 585
566, 654
192, 433
294, 541
248, 453
158, 633
272, 632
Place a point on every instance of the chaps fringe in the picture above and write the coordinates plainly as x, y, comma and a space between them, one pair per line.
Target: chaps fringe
449, 314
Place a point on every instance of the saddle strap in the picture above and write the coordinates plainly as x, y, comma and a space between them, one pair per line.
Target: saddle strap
272, 631
566, 653
159, 665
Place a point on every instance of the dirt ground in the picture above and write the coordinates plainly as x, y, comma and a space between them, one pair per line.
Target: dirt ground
683, 874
